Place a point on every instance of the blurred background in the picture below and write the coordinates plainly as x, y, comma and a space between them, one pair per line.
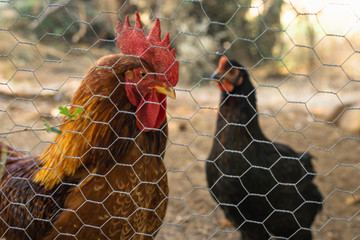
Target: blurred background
303, 57
276, 37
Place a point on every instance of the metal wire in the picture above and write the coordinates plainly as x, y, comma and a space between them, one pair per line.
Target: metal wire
291, 108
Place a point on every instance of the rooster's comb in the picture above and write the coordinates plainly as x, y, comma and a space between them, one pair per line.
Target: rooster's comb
133, 41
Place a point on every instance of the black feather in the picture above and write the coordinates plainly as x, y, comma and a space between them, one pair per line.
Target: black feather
264, 188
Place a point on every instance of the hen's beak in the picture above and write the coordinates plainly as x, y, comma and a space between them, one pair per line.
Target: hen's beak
166, 90
216, 75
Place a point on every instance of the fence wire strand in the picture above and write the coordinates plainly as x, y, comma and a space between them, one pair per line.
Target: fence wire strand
302, 62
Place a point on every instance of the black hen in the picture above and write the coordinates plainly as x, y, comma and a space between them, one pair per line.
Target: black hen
264, 188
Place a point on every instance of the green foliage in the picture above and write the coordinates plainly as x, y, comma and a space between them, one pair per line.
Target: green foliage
66, 112
51, 129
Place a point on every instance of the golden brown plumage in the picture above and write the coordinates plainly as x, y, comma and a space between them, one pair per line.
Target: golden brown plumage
103, 177
97, 165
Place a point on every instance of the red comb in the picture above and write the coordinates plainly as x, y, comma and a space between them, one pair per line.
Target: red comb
133, 41
223, 63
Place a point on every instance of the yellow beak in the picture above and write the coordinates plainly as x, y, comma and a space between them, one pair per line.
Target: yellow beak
166, 90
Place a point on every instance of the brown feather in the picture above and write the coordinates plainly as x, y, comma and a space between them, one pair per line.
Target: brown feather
93, 171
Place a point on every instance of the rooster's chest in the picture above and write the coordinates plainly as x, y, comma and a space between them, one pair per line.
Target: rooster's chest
130, 198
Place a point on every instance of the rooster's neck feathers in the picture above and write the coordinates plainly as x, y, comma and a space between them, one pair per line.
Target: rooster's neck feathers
102, 88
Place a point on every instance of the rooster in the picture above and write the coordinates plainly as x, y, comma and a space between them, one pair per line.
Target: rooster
104, 176
265, 189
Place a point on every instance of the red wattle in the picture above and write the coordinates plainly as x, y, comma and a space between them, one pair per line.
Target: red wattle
225, 86
150, 113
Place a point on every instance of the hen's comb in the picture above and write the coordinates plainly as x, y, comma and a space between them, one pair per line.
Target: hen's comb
224, 64
133, 41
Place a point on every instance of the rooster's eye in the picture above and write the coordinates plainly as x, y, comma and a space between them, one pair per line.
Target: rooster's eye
143, 74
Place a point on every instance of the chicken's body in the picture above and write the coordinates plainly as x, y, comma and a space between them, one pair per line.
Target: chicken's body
264, 188
104, 176
112, 173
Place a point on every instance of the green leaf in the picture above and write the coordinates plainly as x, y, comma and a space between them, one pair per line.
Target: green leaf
47, 125
51, 129
55, 130
77, 112
64, 111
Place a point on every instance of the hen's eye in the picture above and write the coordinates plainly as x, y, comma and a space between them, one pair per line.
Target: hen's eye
143, 74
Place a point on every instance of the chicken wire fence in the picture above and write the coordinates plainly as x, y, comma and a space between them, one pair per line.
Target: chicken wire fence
301, 57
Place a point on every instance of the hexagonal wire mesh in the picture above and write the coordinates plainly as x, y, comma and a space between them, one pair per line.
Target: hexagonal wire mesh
301, 57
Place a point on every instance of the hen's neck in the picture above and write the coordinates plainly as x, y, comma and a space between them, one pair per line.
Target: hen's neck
238, 115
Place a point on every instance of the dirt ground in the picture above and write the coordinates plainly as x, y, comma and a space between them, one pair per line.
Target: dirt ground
192, 213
